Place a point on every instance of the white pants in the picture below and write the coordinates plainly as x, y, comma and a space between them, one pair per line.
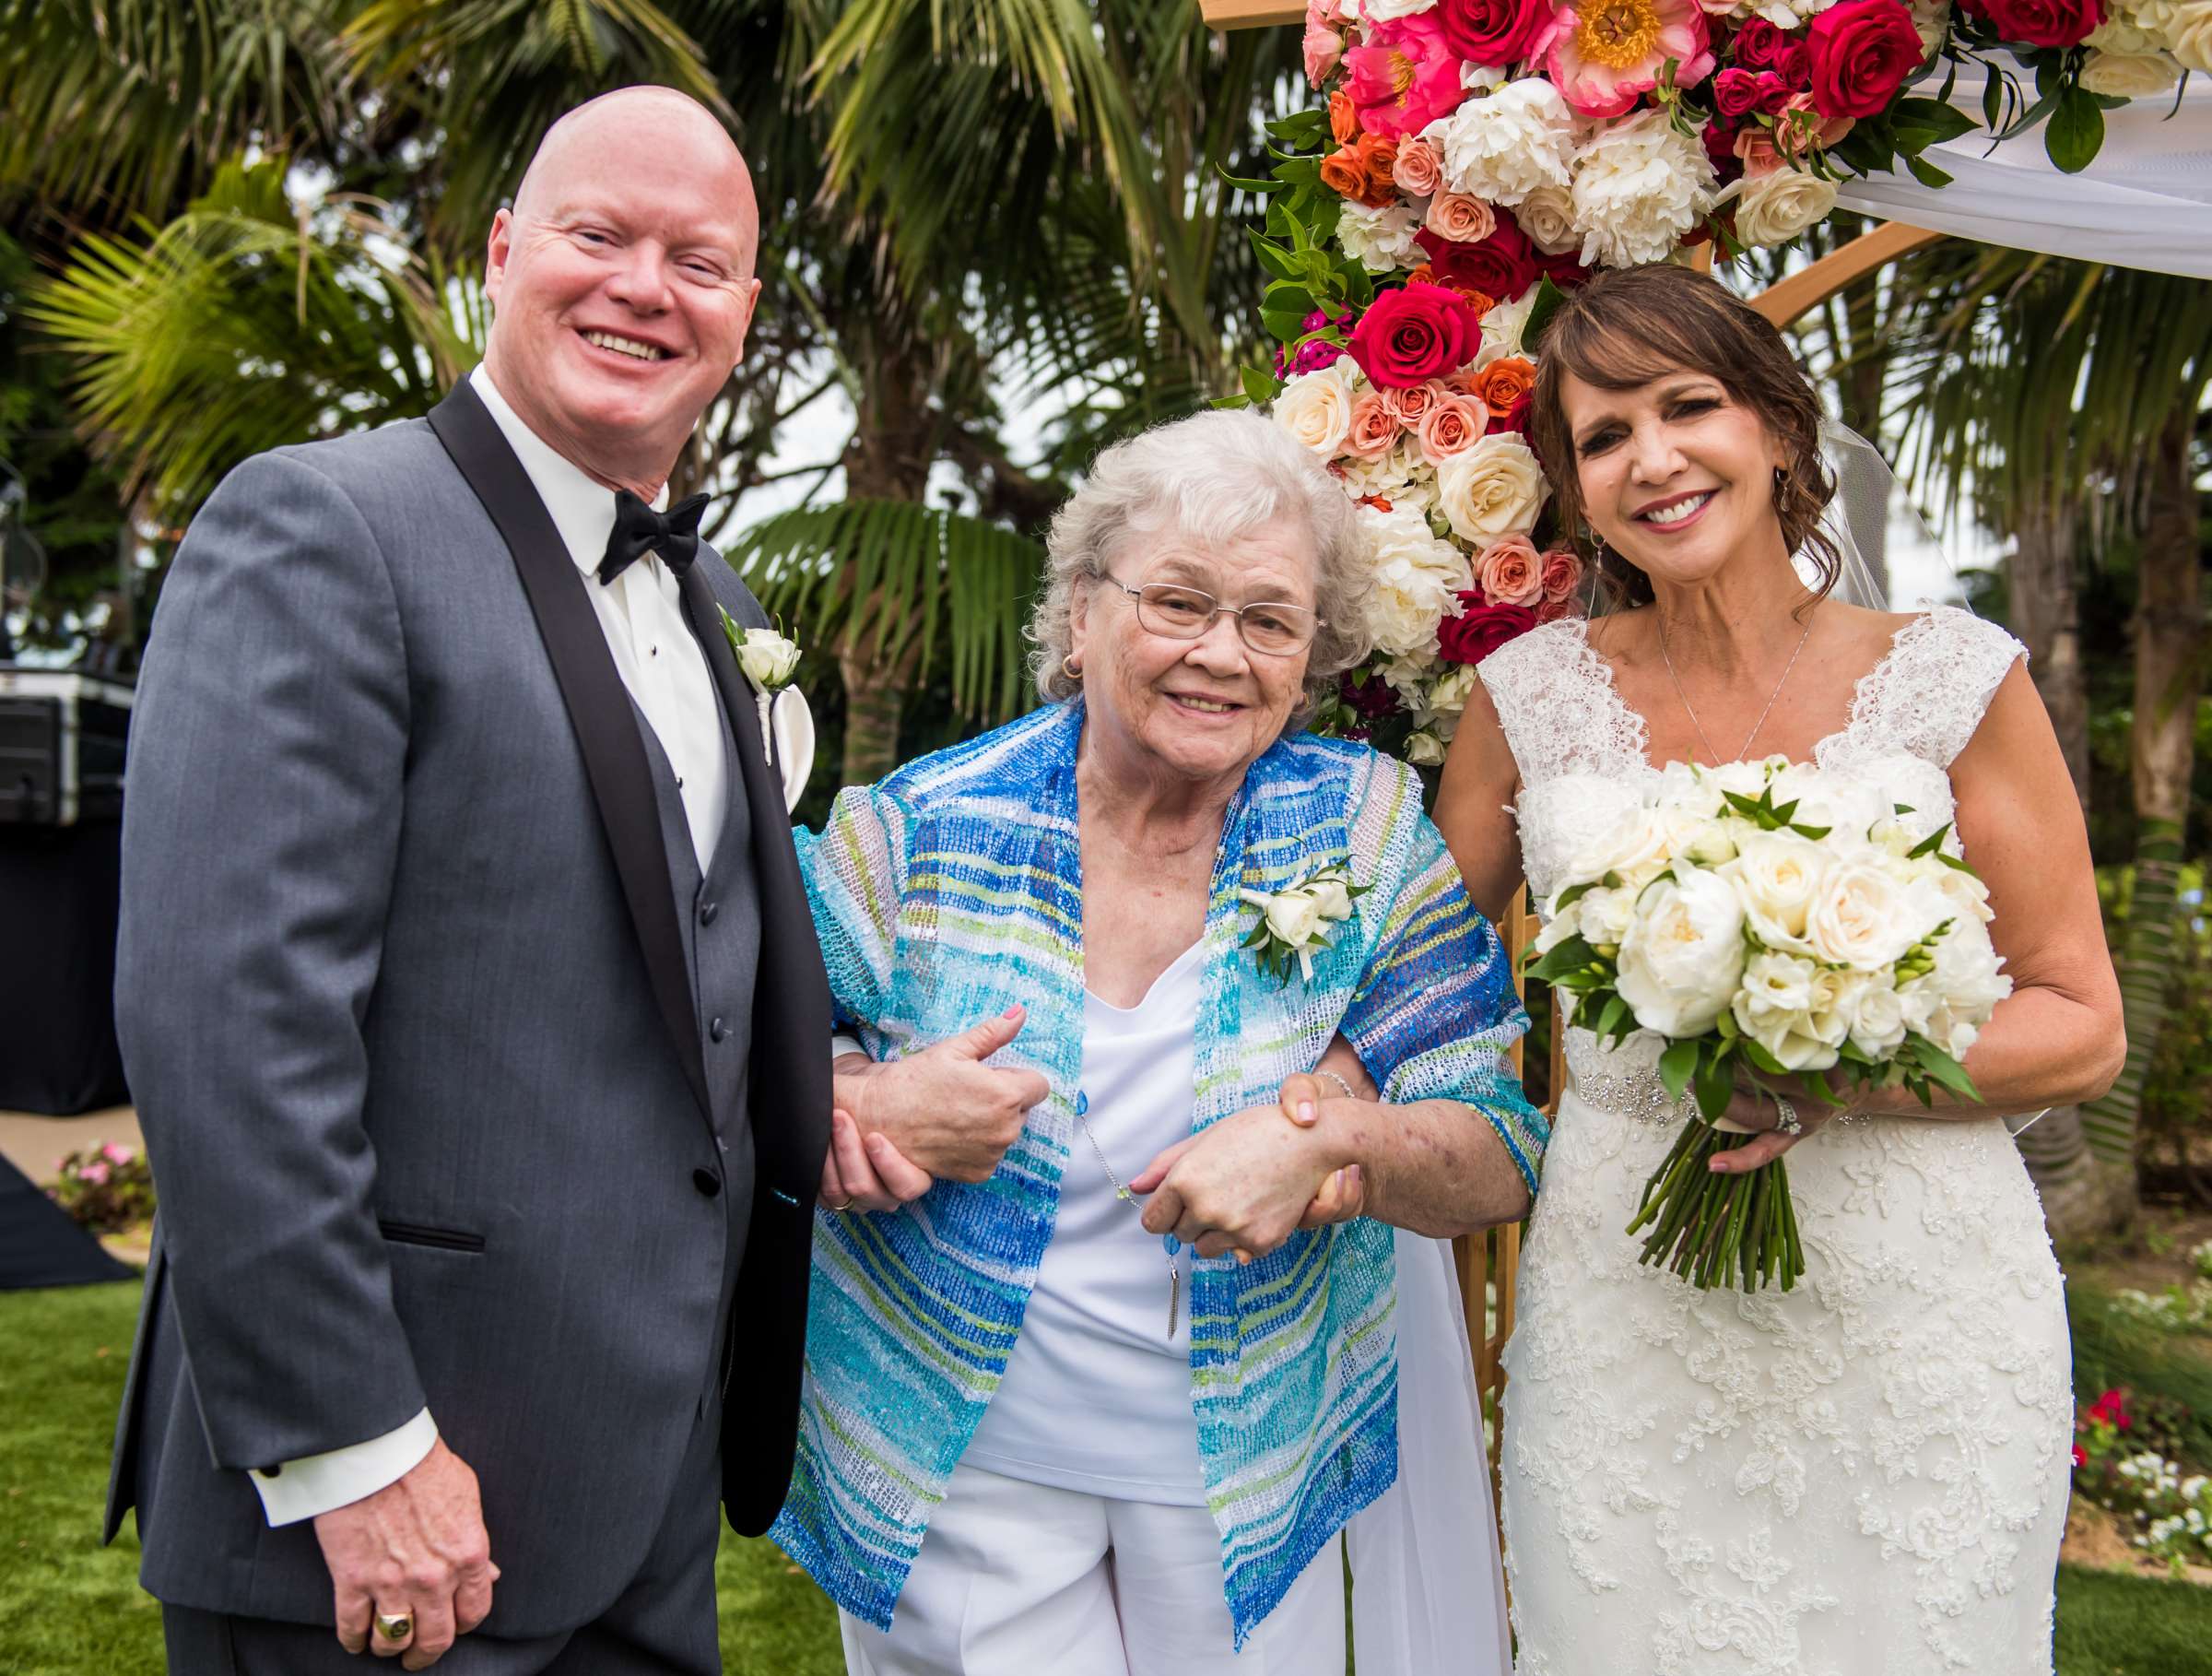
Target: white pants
1015, 1579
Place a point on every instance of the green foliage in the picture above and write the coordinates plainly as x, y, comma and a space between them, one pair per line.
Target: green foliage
2113, 1348
890, 578
2111, 1624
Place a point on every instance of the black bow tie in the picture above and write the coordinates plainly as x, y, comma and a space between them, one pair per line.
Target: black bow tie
639, 530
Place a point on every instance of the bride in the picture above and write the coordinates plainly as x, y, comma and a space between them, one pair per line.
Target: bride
1867, 1475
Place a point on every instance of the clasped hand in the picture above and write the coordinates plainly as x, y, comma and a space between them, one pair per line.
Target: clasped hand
417, 1550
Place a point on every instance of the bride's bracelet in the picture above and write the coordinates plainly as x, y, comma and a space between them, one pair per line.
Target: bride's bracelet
1339, 1081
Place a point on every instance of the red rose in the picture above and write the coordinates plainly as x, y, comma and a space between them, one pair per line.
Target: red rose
1740, 93
1502, 267
1492, 32
1860, 51
2043, 23
1479, 629
1720, 150
1758, 45
1414, 332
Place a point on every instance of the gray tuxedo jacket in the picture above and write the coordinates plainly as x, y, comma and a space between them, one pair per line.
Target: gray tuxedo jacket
462, 1086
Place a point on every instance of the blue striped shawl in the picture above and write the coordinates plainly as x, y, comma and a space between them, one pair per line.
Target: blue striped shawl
951, 889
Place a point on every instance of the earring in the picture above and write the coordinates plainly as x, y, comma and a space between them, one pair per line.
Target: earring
1069, 668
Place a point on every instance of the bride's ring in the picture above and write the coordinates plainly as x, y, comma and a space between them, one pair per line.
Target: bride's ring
394, 1626
1786, 1120
846, 1206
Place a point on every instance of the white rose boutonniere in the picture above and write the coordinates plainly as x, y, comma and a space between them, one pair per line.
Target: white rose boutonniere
770, 660
1296, 923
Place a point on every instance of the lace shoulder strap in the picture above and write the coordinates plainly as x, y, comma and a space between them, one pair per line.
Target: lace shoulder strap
1930, 693
1556, 699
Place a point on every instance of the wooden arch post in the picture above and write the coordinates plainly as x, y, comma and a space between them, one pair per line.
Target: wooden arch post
1490, 1262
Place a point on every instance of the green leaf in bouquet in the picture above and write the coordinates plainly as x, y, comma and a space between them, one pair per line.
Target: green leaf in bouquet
1548, 298
1677, 1066
1301, 128
1230, 401
1565, 961
1763, 1060
1818, 1081
2077, 131
1929, 845
1939, 119
1940, 1068
1993, 100
1814, 833
1574, 895
1273, 256
1927, 175
1851, 1052
1261, 386
1902, 809
1261, 187
1715, 1086
1612, 1017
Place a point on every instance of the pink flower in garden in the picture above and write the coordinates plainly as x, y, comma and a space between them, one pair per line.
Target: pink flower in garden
1405, 77
96, 1173
1375, 428
1605, 55
1452, 425
1418, 171
1510, 572
115, 1153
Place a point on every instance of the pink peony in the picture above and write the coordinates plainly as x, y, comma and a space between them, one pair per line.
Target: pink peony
1460, 218
1405, 76
1511, 571
1452, 425
1418, 171
1322, 47
1605, 55
1375, 428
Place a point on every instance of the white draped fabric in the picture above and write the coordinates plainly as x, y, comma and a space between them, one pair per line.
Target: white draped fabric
2145, 202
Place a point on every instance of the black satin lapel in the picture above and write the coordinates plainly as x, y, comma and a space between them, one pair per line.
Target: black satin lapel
791, 1001
598, 706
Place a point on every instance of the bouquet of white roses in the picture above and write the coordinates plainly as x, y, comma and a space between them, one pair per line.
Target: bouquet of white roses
1769, 918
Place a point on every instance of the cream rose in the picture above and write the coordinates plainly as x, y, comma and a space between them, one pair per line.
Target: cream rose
1316, 407
1774, 208
1492, 489
1606, 914
1861, 917
1503, 328
2129, 74
1504, 145
1866, 1004
1683, 953
1778, 876
2185, 25
1415, 579
768, 658
1636, 846
1547, 215
1424, 750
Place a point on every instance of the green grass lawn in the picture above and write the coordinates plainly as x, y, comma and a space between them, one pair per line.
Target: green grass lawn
70, 1607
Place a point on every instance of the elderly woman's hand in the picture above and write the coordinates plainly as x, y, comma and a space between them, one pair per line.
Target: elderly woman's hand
941, 1112
1244, 1184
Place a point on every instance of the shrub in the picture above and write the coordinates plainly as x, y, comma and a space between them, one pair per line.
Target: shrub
105, 1189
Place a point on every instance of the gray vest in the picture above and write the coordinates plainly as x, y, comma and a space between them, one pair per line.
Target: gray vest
719, 913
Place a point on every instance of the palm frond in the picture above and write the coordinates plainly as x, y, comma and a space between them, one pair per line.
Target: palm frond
882, 578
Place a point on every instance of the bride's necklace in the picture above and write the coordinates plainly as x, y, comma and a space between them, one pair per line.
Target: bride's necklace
1742, 750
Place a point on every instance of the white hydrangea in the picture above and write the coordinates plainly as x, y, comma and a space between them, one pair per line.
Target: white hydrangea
1639, 186
1415, 577
1503, 147
1380, 241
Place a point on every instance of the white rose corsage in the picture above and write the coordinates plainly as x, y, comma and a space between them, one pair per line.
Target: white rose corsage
1297, 922
770, 660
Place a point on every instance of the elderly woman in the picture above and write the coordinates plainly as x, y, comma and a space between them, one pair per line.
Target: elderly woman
1101, 1405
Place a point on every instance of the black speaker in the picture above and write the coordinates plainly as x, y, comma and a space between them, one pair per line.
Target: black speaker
60, 747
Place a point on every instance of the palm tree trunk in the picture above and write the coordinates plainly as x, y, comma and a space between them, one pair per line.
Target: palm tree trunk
2082, 1197
2168, 630
2046, 614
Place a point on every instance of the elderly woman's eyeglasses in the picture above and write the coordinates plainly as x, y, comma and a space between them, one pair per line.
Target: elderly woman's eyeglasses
1174, 612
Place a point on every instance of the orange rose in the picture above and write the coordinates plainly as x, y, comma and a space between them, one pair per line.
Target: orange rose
1341, 173
1361, 172
1344, 117
1505, 383
1462, 219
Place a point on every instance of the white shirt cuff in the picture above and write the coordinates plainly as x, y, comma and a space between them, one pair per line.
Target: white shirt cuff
840, 1046
309, 1488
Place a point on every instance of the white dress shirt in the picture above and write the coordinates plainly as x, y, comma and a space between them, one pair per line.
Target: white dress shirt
663, 669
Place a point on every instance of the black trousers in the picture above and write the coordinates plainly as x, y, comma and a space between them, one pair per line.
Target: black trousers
662, 1623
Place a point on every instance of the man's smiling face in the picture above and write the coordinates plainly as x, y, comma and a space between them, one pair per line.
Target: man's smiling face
623, 281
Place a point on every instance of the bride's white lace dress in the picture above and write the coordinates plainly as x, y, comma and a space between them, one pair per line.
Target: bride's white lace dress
1866, 1476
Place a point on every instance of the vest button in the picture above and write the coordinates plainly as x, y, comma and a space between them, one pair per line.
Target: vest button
707, 1182
708, 911
717, 1030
